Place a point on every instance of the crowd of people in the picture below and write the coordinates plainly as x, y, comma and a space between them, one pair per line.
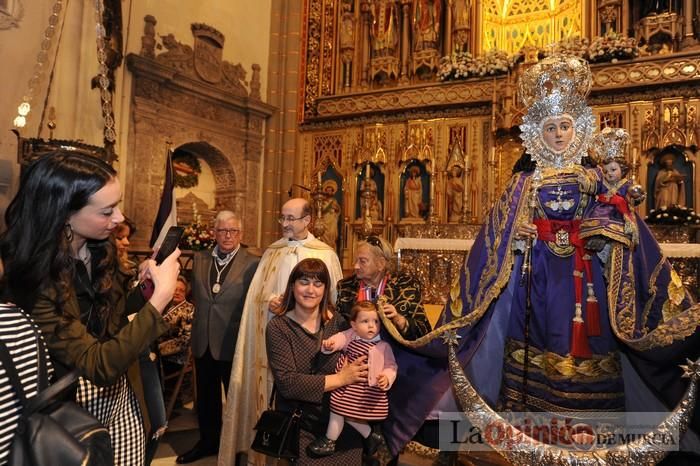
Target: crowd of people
563, 277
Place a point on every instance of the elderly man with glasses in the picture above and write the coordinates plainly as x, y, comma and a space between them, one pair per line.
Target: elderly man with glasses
221, 278
250, 385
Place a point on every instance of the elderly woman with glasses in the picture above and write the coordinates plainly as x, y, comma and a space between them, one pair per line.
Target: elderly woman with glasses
375, 275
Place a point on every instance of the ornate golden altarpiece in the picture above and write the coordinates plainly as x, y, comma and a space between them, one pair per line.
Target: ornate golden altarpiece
372, 102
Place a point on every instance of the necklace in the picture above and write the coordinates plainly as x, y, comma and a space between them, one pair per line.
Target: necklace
216, 287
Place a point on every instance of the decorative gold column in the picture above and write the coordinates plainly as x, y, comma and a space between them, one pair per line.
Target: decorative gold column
493, 174
688, 33
432, 211
365, 47
319, 197
405, 40
466, 200
447, 34
367, 195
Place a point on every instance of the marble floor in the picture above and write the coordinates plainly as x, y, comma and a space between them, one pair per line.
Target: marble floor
183, 434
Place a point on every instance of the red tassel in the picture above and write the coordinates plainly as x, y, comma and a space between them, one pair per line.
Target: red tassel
579, 341
592, 313
593, 318
579, 337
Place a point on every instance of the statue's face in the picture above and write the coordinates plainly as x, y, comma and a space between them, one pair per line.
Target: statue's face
612, 172
558, 132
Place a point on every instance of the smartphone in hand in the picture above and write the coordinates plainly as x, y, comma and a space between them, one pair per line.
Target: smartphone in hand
167, 247
169, 244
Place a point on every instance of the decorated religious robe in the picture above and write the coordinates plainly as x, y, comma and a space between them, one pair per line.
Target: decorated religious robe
592, 341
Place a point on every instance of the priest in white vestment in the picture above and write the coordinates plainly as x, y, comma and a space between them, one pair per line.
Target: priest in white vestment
251, 380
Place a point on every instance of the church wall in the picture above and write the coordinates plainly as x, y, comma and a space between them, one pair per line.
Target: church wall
245, 25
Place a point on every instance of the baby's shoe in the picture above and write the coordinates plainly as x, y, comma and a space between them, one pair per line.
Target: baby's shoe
322, 446
371, 443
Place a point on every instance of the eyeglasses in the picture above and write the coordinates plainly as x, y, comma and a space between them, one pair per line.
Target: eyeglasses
281, 219
374, 241
227, 231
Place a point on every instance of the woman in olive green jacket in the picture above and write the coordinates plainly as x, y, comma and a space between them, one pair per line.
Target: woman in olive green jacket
61, 266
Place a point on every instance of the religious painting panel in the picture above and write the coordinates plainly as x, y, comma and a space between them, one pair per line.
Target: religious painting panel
203, 178
510, 26
415, 192
370, 179
669, 179
455, 183
330, 219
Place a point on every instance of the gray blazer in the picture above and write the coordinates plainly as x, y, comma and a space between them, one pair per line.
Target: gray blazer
218, 316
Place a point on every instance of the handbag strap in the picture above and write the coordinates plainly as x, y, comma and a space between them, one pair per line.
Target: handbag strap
46, 394
272, 396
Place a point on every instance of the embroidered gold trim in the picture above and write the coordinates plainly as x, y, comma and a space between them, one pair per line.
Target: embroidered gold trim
677, 328
514, 397
589, 228
561, 394
558, 367
652, 288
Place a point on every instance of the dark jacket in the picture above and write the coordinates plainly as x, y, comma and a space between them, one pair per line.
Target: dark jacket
100, 361
217, 316
401, 290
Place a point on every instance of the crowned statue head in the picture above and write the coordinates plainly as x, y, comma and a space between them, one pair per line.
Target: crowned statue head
330, 187
608, 151
558, 126
610, 144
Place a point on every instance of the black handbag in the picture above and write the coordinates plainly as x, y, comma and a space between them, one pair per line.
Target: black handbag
50, 430
277, 432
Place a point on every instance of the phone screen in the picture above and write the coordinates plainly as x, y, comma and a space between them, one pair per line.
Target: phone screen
170, 242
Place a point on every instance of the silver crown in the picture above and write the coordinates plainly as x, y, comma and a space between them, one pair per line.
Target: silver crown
610, 143
567, 75
557, 86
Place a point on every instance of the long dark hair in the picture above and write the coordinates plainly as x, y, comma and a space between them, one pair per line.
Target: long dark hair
36, 248
312, 269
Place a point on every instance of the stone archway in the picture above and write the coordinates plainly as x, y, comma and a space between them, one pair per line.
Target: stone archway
183, 97
225, 186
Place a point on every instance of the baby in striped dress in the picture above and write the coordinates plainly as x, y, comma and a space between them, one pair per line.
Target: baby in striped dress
359, 403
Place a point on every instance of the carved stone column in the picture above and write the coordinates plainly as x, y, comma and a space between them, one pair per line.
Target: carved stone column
447, 34
347, 45
365, 45
405, 39
688, 33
